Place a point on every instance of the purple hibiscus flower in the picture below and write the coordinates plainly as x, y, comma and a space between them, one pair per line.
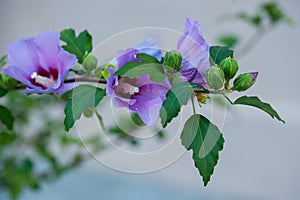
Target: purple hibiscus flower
139, 95
195, 53
39, 63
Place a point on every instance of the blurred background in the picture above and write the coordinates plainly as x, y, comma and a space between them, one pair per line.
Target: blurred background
261, 157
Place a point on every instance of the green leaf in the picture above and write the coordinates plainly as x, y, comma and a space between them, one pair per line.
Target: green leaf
273, 10
6, 117
218, 53
177, 96
229, 40
83, 96
67, 139
255, 20
79, 46
256, 102
149, 65
3, 92
147, 58
206, 141
3, 60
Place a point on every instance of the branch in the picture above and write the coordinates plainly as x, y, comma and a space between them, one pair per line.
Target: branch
86, 79
73, 80
207, 91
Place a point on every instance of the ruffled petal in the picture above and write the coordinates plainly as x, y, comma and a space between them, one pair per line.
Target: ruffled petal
192, 75
124, 56
193, 31
195, 52
22, 54
48, 48
65, 62
152, 90
147, 109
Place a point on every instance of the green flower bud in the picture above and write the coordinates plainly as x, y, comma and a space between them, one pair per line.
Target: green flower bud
244, 81
173, 59
215, 77
230, 67
90, 62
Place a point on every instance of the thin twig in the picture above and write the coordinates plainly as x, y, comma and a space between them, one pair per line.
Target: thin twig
72, 80
86, 79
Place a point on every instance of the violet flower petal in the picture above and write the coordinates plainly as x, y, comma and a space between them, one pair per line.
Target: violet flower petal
39, 63
124, 56
23, 54
254, 76
47, 43
147, 109
195, 53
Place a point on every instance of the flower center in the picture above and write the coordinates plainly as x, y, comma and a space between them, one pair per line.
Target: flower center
126, 88
42, 80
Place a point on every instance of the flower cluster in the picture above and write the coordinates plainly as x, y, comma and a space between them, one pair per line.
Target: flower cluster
149, 83
42, 65
145, 97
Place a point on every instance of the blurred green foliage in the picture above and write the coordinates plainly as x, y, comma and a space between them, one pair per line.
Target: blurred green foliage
34, 147
27, 155
263, 19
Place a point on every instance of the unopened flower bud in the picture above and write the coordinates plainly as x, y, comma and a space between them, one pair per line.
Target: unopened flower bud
230, 67
173, 59
244, 81
90, 62
215, 77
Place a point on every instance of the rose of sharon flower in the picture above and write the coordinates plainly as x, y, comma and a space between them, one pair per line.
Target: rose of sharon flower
139, 95
39, 63
195, 53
